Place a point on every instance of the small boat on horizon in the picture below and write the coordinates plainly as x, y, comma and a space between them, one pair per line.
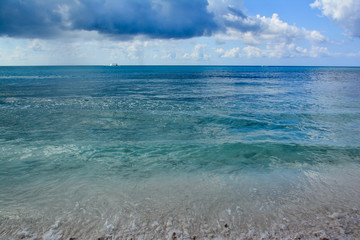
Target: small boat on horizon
114, 64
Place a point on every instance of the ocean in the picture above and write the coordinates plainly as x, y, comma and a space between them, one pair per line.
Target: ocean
179, 152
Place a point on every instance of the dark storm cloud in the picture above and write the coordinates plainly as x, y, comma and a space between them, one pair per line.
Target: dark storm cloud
28, 19
153, 18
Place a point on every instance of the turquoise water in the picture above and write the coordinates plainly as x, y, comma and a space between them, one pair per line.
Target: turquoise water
147, 151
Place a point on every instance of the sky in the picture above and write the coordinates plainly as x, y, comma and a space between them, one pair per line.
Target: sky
180, 32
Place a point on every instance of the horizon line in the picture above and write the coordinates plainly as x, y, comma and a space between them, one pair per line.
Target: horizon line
175, 65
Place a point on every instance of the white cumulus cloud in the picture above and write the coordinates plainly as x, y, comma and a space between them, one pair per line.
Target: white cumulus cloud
199, 53
231, 53
344, 12
269, 29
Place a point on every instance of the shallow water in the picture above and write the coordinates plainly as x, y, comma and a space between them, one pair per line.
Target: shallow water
164, 152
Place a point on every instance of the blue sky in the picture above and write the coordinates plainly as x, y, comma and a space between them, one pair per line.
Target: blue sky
201, 32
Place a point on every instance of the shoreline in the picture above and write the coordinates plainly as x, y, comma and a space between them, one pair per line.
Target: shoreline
335, 225
186, 206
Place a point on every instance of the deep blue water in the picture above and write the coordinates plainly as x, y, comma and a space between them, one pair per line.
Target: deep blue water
62, 127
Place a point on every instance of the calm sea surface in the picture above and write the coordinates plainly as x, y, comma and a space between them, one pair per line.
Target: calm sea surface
149, 152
